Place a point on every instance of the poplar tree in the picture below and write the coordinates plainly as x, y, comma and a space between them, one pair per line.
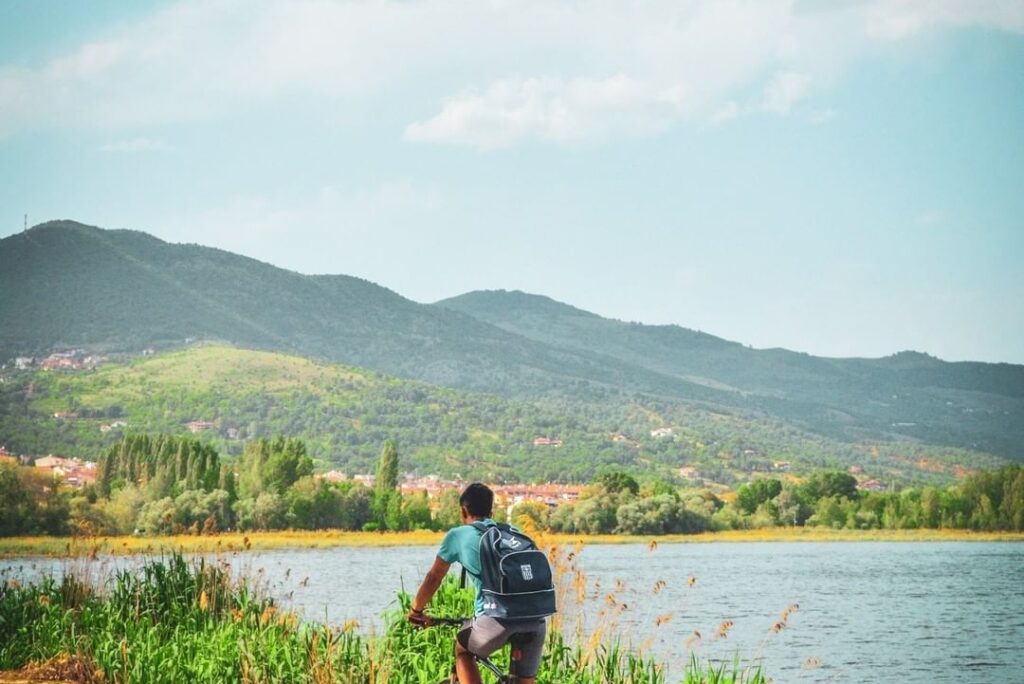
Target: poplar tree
387, 468
385, 488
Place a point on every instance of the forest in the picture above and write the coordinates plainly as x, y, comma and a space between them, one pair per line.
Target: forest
343, 415
152, 485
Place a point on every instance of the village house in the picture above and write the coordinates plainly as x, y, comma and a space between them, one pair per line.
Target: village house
23, 362
51, 461
689, 472
547, 441
551, 495
506, 496
662, 432
620, 438
116, 425
871, 486
200, 425
73, 471
431, 484
781, 466
62, 361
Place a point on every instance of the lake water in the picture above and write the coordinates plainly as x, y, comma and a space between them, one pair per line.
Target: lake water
906, 612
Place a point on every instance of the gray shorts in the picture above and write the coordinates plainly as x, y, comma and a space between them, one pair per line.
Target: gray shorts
484, 635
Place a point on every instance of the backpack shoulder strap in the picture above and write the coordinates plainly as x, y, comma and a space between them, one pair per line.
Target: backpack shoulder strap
482, 529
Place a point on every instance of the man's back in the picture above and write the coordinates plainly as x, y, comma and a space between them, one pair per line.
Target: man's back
462, 544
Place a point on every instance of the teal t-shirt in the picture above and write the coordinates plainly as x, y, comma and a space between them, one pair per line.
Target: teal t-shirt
462, 545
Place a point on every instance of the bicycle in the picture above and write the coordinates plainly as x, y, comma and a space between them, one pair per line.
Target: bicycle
515, 643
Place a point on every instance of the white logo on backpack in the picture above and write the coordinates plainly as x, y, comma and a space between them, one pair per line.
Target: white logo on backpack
527, 571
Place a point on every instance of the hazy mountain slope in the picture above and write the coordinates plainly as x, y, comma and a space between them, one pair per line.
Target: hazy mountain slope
69, 285
974, 405
344, 414
66, 284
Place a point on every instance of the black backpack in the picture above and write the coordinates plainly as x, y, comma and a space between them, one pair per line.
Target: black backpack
515, 576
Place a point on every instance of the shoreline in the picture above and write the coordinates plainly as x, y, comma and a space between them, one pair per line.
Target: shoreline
231, 542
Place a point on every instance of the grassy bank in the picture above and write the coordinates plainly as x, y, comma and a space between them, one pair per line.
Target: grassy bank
12, 547
177, 621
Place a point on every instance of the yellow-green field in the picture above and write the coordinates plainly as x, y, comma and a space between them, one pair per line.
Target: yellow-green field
256, 541
202, 368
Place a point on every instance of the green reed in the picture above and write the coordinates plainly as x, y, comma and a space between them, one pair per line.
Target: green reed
175, 620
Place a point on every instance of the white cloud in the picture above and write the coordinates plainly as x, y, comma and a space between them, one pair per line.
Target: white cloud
479, 73
783, 91
550, 109
896, 19
136, 145
728, 112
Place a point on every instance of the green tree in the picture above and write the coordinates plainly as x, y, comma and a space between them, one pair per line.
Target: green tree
386, 479
750, 496
417, 512
386, 498
123, 508
17, 505
828, 484
448, 511
537, 512
617, 481
393, 518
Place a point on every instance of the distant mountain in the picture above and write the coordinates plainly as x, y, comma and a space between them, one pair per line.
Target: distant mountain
66, 285
975, 405
70, 285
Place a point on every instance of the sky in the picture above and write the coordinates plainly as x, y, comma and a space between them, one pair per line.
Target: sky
838, 177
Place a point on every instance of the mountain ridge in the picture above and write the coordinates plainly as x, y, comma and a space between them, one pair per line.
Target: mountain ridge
71, 285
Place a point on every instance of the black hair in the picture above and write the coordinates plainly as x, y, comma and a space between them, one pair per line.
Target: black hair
478, 500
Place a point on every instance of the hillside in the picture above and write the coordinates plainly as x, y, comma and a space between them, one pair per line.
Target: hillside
345, 414
913, 395
68, 285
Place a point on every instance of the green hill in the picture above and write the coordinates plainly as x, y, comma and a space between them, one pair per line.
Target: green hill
908, 395
344, 414
68, 285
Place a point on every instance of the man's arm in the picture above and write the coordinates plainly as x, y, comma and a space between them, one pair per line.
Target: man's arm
428, 588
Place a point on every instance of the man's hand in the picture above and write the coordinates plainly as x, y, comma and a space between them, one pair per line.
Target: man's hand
417, 618
427, 590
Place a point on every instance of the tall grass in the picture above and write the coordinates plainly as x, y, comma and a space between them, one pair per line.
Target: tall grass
175, 620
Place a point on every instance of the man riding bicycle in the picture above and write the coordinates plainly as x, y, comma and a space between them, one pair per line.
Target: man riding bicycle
482, 635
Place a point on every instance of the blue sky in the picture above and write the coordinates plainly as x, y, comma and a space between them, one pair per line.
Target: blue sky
840, 178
